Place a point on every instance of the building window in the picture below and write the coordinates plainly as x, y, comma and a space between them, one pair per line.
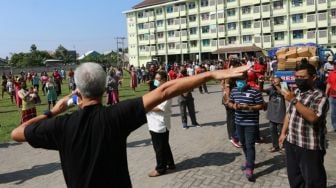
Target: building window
280, 20
333, 31
205, 16
333, 13
159, 23
279, 35
160, 35
231, 12
298, 34
140, 14
193, 31
278, 4
171, 45
246, 10
247, 39
230, 1
170, 9
192, 18
232, 26
141, 26
141, 37
206, 42
232, 40
170, 21
310, 2
204, 3
247, 24
159, 11
205, 29
193, 43
191, 5
160, 46
296, 3
171, 33
297, 18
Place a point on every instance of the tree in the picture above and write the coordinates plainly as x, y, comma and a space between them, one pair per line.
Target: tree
33, 48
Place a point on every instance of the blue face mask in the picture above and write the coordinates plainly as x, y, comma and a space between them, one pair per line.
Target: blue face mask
241, 84
156, 83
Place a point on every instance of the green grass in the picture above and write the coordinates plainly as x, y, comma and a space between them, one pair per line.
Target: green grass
10, 114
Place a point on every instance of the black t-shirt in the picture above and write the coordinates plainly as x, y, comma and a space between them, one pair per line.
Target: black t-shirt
91, 142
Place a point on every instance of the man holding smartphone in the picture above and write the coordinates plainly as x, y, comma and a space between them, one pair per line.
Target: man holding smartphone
246, 102
303, 132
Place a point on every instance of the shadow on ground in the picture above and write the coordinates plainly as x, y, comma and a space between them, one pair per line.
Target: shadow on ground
7, 145
140, 143
216, 123
274, 164
207, 159
21, 176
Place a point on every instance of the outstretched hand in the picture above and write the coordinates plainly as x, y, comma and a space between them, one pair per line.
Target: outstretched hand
230, 73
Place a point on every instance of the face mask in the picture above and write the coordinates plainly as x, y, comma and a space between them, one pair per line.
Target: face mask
302, 84
240, 84
156, 83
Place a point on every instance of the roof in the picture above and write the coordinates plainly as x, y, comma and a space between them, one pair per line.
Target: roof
147, 3
238, 49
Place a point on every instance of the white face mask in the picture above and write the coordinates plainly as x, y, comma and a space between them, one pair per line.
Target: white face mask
156, 83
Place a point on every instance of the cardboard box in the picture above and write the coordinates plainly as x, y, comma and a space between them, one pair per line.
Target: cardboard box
303, 52
281, 57
281, 66
312, 51
291, 54
314, 61
282, 51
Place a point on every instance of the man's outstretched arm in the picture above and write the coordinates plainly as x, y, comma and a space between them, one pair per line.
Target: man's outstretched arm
176, 87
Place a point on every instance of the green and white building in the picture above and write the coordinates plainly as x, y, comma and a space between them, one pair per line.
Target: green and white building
179, 30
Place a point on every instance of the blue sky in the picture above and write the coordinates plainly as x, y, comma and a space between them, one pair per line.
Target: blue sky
82, 25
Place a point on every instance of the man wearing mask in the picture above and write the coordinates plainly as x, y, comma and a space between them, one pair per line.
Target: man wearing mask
331, 92
246, 102
303, 132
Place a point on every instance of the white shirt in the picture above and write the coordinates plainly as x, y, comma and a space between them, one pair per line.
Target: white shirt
159, 122
190, 71
10, 86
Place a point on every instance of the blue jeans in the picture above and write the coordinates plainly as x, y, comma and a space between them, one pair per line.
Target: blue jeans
247, 137
332, 102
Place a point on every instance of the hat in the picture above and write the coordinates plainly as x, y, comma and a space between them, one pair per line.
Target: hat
330, 58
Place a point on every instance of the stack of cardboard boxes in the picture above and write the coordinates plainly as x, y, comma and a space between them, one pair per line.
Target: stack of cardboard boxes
289, 57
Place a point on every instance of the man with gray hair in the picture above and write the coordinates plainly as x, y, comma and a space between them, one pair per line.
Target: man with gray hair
92, 141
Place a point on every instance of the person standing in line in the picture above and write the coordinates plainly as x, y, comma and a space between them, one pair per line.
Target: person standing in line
51, 93
304, 129
186, 101
276, 109
92, 141
246, 102
331, 93
159, 125
28, 107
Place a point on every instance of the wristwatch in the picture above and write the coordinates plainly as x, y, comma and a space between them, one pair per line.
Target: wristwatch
48, 114
294, 101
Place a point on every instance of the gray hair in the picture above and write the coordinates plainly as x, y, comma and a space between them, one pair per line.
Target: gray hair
90, 78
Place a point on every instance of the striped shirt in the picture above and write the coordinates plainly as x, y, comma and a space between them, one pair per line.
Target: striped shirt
248, 96
301, 132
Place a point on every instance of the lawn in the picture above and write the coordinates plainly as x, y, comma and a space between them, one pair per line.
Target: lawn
10, 114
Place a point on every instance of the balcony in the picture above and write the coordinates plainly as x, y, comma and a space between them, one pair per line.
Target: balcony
332, 4
298, 40
208, 48
256, 12
300, 24
257, 27
159, 17
207, 9
323, 36
221, 43
232, 4
207, 35
322, 19
193, 24
280, 27
247, 16
161, 51
144, 53
233, 32
221, 31
265, 1
142, 20
266, 28
311, 21
193, 37
143, 42
172, 15
311, 36
161, 40
282, 42
246, 2
257, 40
247, 31
310, 7
232, 18
267, 41
266, 11
205, 22
194, 49
280, 11
322, 5
297, 9
333, 38
333, 21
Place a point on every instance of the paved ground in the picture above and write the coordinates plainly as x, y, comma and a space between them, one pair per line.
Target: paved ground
204, 156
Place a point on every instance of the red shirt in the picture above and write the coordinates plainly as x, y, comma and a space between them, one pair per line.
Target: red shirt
261, 68
332, 82
172, 75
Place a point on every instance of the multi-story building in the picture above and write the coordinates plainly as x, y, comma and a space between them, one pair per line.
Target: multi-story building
178, 30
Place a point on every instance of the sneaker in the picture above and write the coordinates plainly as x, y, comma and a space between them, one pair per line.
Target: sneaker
154, 173
235, 143
197, 125
185, 126
249, 174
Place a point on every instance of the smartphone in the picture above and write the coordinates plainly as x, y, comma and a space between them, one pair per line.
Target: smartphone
284, 86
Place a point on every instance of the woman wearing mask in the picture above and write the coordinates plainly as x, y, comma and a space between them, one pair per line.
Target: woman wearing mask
159, 124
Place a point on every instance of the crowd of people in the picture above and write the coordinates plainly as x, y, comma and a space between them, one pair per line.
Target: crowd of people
297, 117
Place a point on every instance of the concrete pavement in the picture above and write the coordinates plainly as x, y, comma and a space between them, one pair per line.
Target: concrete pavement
204, 156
